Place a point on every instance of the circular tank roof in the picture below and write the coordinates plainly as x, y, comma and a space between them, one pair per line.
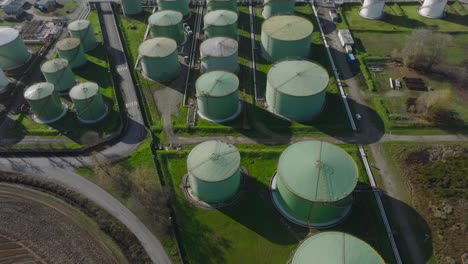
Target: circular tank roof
39, 91
216, 84
68, 44
7, 35
287, 28
220, 18
213, 161
84, 91
78, 25
317, 171
54, 65
159, 47
298, 77
219, 47
335, 248
165, 18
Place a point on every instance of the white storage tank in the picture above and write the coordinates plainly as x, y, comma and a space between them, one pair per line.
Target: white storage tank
432, 8
372, 9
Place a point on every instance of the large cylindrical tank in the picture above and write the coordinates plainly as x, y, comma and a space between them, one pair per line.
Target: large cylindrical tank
82, 30
219, 53
13, 52
286, 37
58, 73
212, 5
159, 60
167, 23
220, 23
372, 9
214, 171
277, 7
314, 182
71, 50
335, 247
3, 81
218, 96
178, 5
296, 89
88, 102
131, 7
45, 103
432, 8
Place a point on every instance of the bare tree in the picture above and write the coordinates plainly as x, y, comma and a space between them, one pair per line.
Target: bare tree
435, 106
114, 175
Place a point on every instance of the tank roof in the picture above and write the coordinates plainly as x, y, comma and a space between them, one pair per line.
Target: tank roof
165, 18
335, 248
78, 25
84, 91
157, 47
220, 18
216, 83
39, 91
298, 77
317, 171
219, 47
287, 27
213, 161
54, 65
68, 43
7, 35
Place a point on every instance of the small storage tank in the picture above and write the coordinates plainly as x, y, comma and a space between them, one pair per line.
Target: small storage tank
71, 50
159, 60
167, 23
218, 96
131, 7
13, 52
58, 73
3, 81
178, 5
432, 8
45, 103
336, 247
277, 7
82, 30
372, 9
313, 184
219, 53
296, 89
88, 102
286, 37
214, 171
220, 23
212, 5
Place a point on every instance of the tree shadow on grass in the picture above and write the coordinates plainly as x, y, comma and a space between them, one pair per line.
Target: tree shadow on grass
456, 18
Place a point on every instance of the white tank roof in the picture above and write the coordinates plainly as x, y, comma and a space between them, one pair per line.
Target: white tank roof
7, 35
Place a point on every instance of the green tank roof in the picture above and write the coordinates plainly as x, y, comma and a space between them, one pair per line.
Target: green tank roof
54, 65
213, 161
217, 84
287, 27
157, 47
68, 44
317, 171
165, 18
78, 25
336, 248
39, 91
84, 91
220, 18
218, 47
298, 77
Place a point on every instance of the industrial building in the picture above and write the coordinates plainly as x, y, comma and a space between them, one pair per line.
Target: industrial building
218, 96
433, 8
219, 53
159, 59
13, 9
178, 5
214, 171
88, 103
4, 82
335, 247
13, 52
58, 72
45, 103
220, 23
82, 30
345, 37
167, 23
212, 5
372, 9
286, 37
296, 89
313, 184
72, 50
131, 7
278, 7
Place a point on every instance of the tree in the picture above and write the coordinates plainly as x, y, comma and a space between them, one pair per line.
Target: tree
435, 105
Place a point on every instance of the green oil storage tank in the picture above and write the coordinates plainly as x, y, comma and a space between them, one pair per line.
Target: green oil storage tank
71, 50
4, 82
296, 89
313, 184
220, 23
88, 102
159, 59
131, 7
58, 73
334, 248
277, 7
219, 53
212, 5
214, 171
167, 23
13, 52
45, 103
286, 37
82, 30
218, 96
178, 5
